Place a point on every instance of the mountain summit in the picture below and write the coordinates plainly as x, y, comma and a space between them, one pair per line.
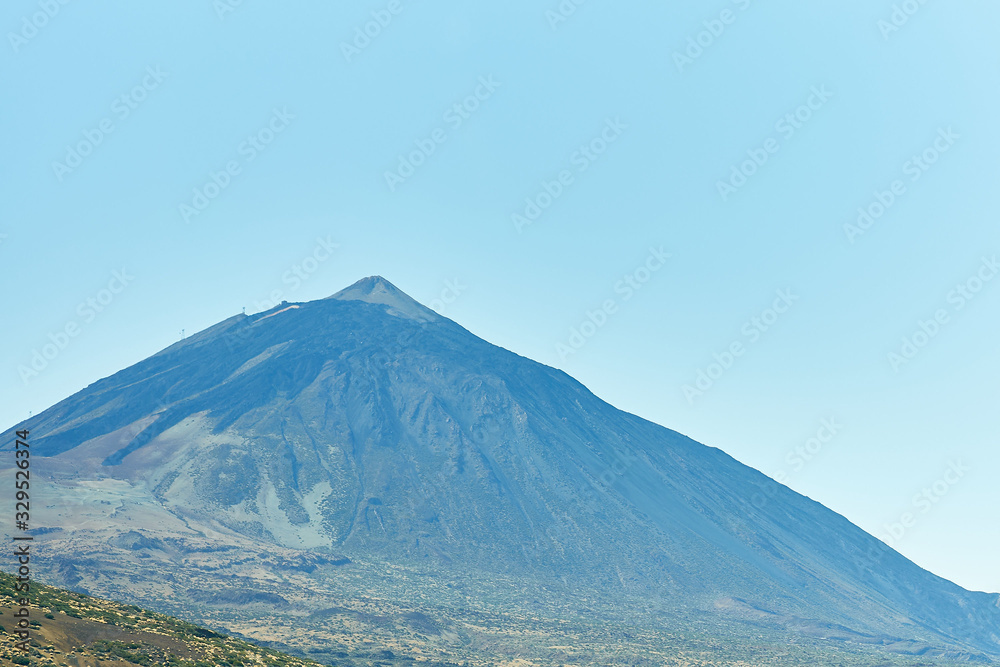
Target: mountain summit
366, 429
376, 289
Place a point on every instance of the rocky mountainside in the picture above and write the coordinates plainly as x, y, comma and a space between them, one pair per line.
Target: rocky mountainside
367, 428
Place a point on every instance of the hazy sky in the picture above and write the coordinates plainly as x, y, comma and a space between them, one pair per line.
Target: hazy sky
675, 182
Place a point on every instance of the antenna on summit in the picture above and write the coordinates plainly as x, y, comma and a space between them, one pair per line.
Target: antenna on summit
182, 334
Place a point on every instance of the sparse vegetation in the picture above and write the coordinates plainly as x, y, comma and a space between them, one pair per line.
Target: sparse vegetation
104, 632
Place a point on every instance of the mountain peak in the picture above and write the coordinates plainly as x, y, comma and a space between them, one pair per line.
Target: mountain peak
405, 446
376, 289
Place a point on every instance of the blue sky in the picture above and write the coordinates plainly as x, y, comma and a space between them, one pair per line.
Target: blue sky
167, 166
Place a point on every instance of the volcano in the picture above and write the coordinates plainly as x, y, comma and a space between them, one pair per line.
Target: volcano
309, 446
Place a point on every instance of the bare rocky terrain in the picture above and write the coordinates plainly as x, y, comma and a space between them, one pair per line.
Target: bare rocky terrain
358, 479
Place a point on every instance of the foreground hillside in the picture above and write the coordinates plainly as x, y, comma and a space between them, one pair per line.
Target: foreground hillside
75, 629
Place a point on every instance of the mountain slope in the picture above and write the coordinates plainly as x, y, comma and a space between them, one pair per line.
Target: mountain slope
366, 425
